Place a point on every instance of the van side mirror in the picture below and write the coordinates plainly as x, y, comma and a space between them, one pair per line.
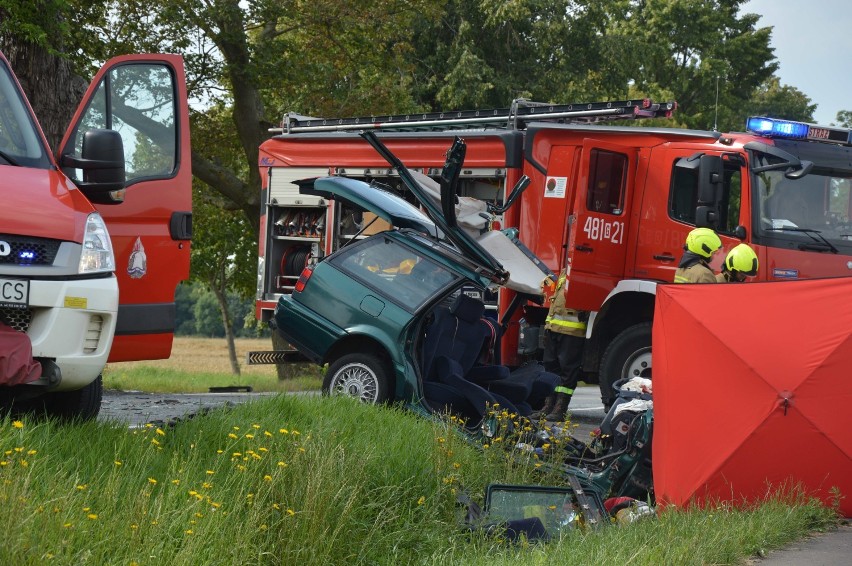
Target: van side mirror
102, 162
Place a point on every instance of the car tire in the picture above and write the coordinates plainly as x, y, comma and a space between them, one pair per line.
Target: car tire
362, 376
627, 356
83, 404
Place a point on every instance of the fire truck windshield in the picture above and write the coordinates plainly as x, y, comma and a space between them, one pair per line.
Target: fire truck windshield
815, 207
20, 142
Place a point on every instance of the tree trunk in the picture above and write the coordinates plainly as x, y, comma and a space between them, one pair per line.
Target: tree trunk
54, 91
222, 299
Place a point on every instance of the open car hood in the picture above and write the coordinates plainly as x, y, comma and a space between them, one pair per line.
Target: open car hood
386, 205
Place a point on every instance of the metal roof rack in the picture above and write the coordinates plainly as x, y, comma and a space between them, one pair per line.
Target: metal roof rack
516, 117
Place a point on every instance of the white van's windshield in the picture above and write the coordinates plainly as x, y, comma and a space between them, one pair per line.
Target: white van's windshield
20, 142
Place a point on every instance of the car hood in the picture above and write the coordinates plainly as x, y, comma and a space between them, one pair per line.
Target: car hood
382, 203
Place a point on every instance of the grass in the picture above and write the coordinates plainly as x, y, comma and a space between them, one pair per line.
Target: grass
308, 480
196, 364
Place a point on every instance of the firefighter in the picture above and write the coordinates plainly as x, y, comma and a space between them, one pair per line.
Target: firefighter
739, 264
564, 338
700, 247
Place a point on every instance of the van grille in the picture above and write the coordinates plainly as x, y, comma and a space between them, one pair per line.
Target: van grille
19, 319
21, 250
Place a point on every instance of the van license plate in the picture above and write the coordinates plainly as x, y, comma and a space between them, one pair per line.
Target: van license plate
14, 293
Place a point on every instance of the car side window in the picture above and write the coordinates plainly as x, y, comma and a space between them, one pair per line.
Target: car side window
395, 271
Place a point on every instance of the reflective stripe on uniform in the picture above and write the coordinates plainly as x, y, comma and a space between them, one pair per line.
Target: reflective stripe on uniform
681, 279
567, 322
565, 390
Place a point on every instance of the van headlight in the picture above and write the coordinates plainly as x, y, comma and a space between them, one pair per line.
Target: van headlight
97, 247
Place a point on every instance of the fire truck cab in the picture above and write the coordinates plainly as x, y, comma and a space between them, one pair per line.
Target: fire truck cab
610, 203
95, 237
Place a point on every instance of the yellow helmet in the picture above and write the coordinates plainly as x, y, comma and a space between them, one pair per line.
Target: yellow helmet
741, 259
703, 242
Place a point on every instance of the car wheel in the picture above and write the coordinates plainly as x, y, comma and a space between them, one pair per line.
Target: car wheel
83, 404
627, 356
362, 376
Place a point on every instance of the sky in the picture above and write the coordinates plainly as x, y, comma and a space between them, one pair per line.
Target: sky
811, 41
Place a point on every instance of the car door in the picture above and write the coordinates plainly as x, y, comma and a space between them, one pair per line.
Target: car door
143, 97
599, 226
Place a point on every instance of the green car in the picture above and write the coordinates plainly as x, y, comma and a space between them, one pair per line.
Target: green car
399, 315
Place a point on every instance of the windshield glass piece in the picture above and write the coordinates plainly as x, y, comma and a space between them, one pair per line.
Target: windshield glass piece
20, 142
819, 202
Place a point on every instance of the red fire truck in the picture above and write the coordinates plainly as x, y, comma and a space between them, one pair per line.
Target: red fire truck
96, 236
611, 202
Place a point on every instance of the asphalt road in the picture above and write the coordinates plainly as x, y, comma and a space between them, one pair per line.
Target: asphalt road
136, 408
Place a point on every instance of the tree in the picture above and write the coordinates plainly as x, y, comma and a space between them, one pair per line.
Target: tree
844, 118
223, 258
787, 102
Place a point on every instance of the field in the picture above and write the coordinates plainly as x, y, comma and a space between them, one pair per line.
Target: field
196, 364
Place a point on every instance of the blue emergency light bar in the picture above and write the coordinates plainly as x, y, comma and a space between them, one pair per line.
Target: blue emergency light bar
789, 129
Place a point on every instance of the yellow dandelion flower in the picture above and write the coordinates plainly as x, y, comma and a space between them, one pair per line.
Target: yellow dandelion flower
241, 468
276, 506
236, 428
232, 435
301, 449
263, 449
188, 531
4, 463
67, 525
282, 464
267, 433
249, 435
422, 500
267, 477
215, 505
193, 492
176, 482
134, 526
291, 512
283, 431
161, 432
237, 454
296, 432
92, 516
86, 509
24, 463
117, 462
249, 495
263, 527
152, 481
19, 449
219, 451
456, 465
32, 452
154, 522
210, 472
207, 485
155, 442
17, 424
255, 426
82, 486
199, 515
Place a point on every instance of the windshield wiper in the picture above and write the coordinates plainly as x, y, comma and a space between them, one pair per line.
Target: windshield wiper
822, 244
9, 158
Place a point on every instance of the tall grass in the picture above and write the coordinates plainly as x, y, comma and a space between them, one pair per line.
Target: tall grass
308, 480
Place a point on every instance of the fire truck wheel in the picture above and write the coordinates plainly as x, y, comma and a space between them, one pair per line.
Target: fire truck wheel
627, 356
83, 404
362, 376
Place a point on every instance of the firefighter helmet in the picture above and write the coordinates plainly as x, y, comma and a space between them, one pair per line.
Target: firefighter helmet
703, 242
741, 260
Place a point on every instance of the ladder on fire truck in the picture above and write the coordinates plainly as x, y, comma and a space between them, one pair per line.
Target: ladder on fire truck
515, 117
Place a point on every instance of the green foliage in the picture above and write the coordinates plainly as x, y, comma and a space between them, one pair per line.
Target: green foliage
787, 102
844, 118
139, 377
